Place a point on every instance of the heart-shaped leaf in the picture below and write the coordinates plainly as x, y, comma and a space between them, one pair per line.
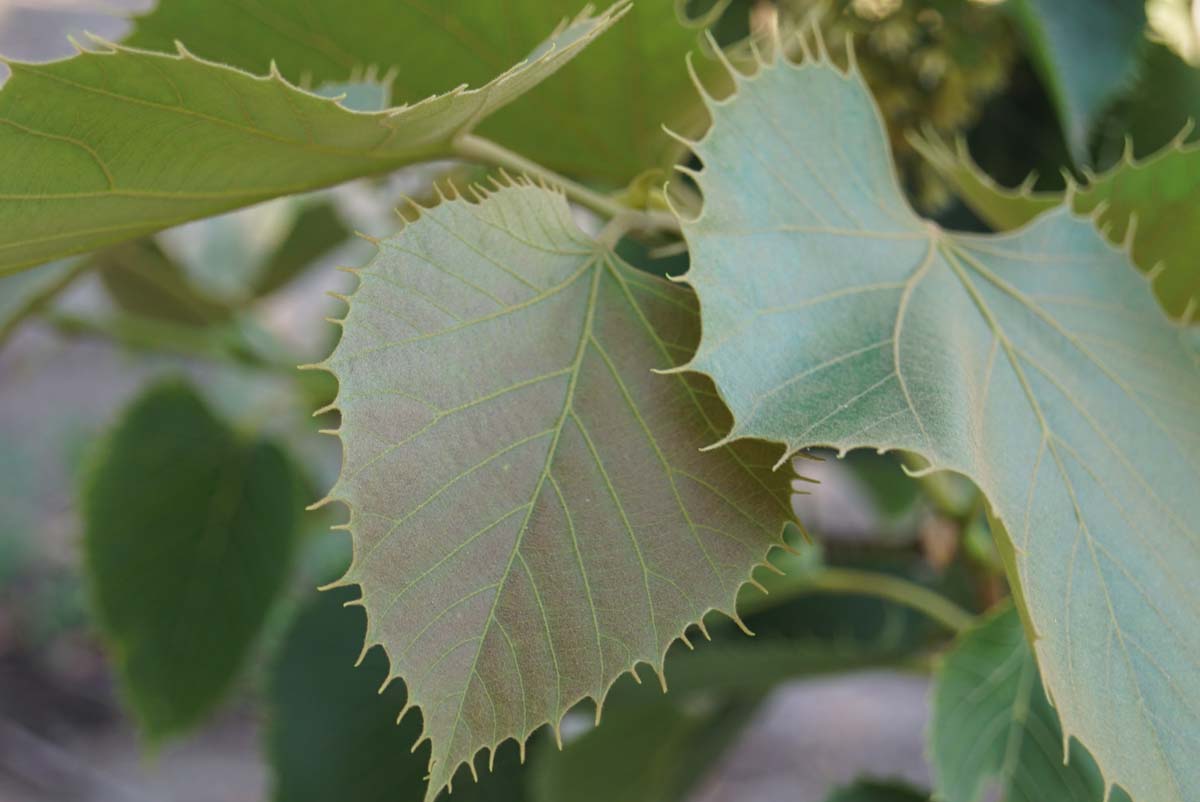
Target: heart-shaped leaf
530, 514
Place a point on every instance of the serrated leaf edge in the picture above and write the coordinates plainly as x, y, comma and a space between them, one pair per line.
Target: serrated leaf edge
819, 58
481, 194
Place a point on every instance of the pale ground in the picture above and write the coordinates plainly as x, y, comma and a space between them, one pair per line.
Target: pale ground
808, 736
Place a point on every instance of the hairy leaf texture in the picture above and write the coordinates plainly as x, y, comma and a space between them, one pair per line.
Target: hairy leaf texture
1155, 201
993, 726
530, 514
1036, 363
117, 143
600, 118
189, 537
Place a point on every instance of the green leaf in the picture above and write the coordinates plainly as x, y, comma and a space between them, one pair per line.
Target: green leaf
529, 511
601, 118
993, 726
1086, 51
189, 537
333, 736
110, 145
1038, 364
315, 231
877, 791
142, 280
22, 295
655, 751
1162, 193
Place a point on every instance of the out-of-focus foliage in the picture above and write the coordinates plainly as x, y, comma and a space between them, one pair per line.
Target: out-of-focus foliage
929, 64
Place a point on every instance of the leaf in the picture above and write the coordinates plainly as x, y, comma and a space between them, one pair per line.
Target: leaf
1086, 52
530, 515
877, 791
21, 296
993, 726
663, 744
111, 145
652, 752
332, 735
601, 118
315, 231
1037, 364
1162, 193
189, 537
141, 279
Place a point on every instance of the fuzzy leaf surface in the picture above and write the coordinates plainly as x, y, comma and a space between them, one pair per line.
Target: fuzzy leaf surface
530, 513
1036, 363
601, 118
189, 537
1161, 192
113, 144
993, 726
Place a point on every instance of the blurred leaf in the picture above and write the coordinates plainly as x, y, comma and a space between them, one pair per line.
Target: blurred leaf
24, 293
315, 230
601, 118
1086, 51
1162, 193
652, 752
877, 791
1151, 114
365, 95
189, 538
993, 725
142, 280
333, 736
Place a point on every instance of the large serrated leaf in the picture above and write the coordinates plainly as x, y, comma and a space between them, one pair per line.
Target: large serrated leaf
1037, 363
1155, 201
113, 144
529, 511
600, 118
994, 727
190, 533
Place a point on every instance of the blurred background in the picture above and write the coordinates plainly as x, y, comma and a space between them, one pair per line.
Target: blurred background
68, 370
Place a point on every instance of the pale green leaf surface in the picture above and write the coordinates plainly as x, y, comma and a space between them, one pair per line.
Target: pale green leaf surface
530, 514
189, 537
1037, 363
993, 726
1086, 52
600, 118
1159, 197
113, 144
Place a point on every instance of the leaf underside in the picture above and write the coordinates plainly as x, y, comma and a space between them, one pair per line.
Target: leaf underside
117, 143
1156, 201
1036, 363
993, 725
529, 511
189, 536
600, 118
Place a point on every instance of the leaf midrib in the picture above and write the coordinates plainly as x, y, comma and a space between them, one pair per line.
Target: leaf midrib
568, 400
